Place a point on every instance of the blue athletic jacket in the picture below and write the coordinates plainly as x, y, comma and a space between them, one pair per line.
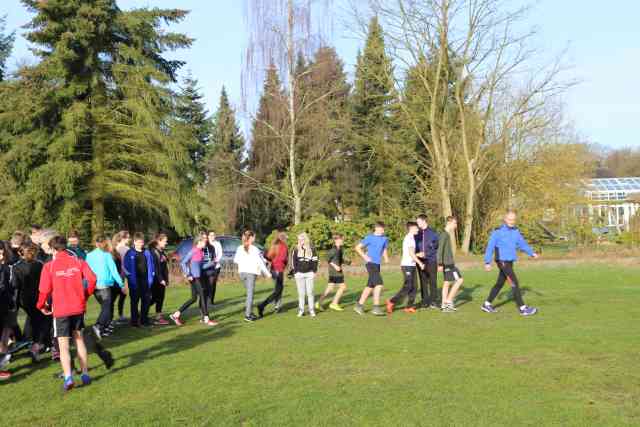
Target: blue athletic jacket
129, 265
506, 242
427, 242
192, 263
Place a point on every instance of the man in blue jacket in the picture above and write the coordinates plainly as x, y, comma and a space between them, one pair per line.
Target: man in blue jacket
140, 270
427, 252
505, 242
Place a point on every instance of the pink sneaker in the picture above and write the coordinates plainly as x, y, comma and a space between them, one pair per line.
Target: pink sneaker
211, 323
161, 321
176, 320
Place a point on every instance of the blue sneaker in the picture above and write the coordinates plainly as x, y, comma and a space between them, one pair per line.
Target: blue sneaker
488, 308
86, 379
68, 384
528, 311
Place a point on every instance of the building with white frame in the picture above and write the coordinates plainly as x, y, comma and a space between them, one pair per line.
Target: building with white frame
611, 201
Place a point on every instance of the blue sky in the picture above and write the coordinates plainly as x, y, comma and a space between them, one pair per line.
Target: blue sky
603, 41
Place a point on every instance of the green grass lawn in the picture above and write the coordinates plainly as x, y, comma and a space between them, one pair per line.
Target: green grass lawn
574, 364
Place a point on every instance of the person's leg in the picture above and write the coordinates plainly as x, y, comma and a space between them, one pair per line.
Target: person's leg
328, 290
65, 356
406, 286
121, 299
445, 292
498, 286
279, 288
413, 290
134, 301
272, 296
190, 301
115, 291
424, 285
82, 352
213, 284
103, 296
160, 296
250, 285
454, 290
365, 295
507, 268
377, 293
336, 298
432, 268
203, 295
309, 284
300, 285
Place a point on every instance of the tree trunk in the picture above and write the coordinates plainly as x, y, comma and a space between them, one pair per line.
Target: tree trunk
295, 191
97, 217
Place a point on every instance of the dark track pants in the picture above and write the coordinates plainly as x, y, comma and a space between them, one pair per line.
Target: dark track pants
506, 273
408, 288
276, 295
199, 291
429, 283
140, 302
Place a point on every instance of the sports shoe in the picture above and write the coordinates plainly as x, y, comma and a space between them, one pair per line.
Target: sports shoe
176, 319
300, 313
19, 345
488, 308
161, 321
319, 307
68, 384
359, 309
97, 331
528, 311
434, 306
390, 306
452, 307
312, 313
209, 322
86, 379
446, 308
377, 311
5, 375
249, 319
335, 307
261, 311
410, 310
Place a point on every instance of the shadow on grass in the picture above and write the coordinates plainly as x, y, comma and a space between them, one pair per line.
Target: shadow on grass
172, 346
509, 298
466, 294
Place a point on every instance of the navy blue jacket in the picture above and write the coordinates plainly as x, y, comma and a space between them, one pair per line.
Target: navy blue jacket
129, 265
427, 243
505, 242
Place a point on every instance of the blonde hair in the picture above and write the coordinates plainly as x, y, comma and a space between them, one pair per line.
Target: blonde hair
306, 244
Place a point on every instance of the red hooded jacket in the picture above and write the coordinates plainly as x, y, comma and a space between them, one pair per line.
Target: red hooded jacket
61, 279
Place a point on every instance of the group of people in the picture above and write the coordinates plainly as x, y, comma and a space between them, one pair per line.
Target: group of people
50, 277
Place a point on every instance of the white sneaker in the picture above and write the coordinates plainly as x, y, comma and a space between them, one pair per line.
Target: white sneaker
312, 313
300, 313
96, 330
4, 361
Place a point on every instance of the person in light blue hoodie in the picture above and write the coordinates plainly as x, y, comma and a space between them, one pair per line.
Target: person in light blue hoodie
104, 267
504, 243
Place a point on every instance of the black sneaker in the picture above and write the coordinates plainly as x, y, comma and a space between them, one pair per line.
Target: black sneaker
249, 319
260, 311
107, 358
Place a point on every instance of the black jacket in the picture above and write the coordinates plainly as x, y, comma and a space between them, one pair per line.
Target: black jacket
7, 294
304, 264
161, 265
25, 280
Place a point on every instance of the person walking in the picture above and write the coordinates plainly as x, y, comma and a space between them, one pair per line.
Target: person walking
335, 260
446, 264
212, 257
250, 265
120, 245
278, 255
504, 243
408, 264
305, 266
161, 279
376, 250
427, 251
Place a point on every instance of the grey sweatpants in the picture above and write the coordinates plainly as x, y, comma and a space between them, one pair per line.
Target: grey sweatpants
249, 281
304, 282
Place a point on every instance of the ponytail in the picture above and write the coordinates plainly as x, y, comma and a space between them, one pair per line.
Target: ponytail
246, 239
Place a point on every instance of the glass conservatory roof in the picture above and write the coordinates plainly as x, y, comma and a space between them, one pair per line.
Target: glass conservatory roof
613, 184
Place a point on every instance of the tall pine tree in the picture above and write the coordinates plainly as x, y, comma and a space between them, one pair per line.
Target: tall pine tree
6, 45
372, 104
92, 145
223, 166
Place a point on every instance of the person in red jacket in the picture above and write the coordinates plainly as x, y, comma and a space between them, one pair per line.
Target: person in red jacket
278, 255
63, 294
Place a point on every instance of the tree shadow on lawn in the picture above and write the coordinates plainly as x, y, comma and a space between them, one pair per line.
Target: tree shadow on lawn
172, 346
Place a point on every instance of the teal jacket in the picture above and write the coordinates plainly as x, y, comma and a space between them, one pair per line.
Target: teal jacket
103, 266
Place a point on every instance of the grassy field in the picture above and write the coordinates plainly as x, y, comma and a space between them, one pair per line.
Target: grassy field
574, 364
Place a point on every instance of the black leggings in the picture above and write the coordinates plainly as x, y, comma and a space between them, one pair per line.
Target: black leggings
198, 292
158, 292
276, 295
429, 283
40, 326
117, 295
211, 279
506, 273
409, 287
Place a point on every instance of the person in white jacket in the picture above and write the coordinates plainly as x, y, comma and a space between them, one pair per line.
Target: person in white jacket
250, 266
